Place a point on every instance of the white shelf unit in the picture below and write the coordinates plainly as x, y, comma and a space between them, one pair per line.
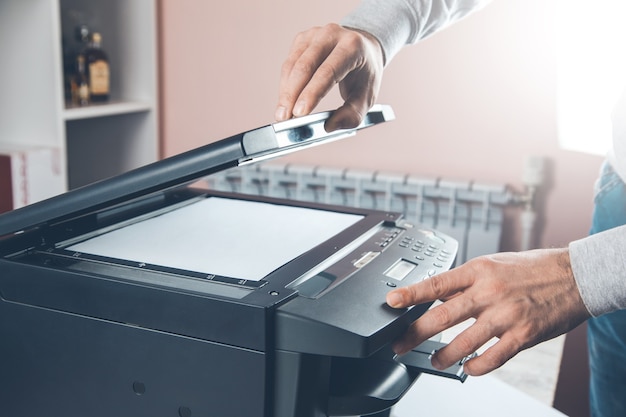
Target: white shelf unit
97, 141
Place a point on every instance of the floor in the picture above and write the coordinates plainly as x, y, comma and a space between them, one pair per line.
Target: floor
533, 371
485, 396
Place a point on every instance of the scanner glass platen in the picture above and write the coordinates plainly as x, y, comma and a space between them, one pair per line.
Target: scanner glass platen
221, 236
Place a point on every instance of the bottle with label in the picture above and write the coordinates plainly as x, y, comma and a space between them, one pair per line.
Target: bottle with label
79, 83
97, 70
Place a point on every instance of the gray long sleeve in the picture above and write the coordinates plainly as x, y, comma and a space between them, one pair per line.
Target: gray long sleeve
599, 267
396, 23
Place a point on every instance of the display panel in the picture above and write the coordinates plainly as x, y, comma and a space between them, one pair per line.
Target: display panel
221, 236
400, 269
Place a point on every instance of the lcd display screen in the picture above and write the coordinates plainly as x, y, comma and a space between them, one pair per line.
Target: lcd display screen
400, 269
228, 237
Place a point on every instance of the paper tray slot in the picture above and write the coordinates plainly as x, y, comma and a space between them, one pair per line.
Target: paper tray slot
367, 386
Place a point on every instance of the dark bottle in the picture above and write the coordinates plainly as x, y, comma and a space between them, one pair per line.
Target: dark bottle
81, 35
79, 83
97, 70
72, 48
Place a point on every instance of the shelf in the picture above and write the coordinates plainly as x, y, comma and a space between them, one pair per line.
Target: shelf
92, 142
105, 109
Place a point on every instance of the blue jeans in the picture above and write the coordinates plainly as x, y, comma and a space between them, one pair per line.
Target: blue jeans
606, 335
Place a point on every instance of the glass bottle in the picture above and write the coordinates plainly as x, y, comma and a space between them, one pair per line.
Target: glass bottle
97, 69
79, 83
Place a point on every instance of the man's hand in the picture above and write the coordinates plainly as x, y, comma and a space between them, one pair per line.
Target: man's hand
521, 298
322, 57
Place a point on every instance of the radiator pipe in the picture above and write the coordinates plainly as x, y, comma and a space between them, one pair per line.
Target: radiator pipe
533, 178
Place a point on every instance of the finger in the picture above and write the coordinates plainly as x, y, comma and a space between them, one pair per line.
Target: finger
493, 358
359, 90
464, 344
359, 97
310, 72
434, 321
331, 71
348, 116
297, 71
300, 44
437, 287
287, 97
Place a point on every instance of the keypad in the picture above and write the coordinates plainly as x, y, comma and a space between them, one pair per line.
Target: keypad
427, 252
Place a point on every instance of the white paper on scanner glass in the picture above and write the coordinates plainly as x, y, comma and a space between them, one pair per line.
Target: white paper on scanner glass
233, 238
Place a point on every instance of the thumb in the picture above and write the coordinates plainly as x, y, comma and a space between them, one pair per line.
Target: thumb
348, 116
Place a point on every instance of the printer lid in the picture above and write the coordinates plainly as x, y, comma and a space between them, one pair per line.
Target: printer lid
244, 148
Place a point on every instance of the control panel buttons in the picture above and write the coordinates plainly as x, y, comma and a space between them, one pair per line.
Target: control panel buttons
422, 253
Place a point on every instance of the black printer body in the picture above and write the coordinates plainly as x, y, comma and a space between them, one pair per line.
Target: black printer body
146, 295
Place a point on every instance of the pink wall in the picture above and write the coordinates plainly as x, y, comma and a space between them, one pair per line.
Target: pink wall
471, 102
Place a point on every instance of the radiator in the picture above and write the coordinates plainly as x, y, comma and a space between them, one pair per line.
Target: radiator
471, 213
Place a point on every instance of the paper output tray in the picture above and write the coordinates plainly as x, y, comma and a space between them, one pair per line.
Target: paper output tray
361, 387
367, 386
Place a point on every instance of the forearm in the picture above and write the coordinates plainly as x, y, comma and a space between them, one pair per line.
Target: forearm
396, 23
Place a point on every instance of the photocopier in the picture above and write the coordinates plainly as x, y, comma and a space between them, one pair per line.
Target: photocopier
147, 294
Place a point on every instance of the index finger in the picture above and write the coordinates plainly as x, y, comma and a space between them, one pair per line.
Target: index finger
434, 288
320, 58
315, 73
299, 68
